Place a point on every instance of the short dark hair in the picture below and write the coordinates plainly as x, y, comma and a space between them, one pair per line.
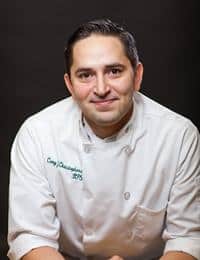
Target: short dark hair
103, 27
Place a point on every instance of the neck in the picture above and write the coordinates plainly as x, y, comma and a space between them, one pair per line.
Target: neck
109, 130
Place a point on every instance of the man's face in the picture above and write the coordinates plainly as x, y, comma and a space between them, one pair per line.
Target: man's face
102, 80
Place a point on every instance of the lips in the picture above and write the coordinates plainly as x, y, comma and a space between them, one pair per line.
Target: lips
103, 101
104, 104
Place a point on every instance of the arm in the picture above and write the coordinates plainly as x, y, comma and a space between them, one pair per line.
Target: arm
167, 256
177, 256
182, 220
183, 217
41, 253
32, 207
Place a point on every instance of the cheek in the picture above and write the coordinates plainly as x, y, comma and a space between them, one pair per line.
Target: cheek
123, 87
81, 91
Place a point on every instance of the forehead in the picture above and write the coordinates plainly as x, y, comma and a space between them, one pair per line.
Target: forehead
98, 50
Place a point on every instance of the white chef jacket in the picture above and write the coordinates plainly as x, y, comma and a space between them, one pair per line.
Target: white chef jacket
136, 195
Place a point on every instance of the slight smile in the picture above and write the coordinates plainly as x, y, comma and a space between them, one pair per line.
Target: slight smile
104, 101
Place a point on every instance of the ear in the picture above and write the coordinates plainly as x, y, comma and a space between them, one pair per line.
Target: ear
138, 76
68, 83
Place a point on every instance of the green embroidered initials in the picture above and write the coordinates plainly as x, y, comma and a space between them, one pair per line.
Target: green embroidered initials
76, 173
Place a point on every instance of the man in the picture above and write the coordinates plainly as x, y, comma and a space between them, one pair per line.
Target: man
107, 173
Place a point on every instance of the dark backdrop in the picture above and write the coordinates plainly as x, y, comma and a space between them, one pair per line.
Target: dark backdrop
32, 35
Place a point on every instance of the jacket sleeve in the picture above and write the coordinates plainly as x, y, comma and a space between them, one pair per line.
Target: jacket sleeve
182, 231
32, 217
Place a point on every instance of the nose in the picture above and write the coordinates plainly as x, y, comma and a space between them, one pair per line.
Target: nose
101, 88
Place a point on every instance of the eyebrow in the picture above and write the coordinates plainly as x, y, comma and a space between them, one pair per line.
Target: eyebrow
82, 70
109, 66
115, 65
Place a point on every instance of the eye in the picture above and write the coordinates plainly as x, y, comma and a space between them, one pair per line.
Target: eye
84, 75
113, 72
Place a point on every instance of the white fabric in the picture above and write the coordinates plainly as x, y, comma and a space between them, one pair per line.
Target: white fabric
134, 197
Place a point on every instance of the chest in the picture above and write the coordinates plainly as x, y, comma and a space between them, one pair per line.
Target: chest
109, 172
111, 197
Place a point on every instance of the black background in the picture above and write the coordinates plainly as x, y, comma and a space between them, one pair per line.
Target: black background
32, 36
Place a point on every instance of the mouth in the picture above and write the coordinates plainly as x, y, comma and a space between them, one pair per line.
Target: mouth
104, 104
103, 101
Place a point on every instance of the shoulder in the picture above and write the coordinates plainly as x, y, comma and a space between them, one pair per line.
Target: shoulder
157, 115
55, 113
52, 120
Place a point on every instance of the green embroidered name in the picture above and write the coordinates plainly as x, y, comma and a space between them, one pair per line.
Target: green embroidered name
76, 173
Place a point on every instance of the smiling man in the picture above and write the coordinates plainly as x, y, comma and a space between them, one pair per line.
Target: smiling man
107, 173
102, 82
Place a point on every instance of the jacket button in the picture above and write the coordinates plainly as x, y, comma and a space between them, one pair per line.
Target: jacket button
127, 195
87, 148
128, 150
89, 232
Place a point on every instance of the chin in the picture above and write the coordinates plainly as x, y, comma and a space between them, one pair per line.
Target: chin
108, 118
106, 121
